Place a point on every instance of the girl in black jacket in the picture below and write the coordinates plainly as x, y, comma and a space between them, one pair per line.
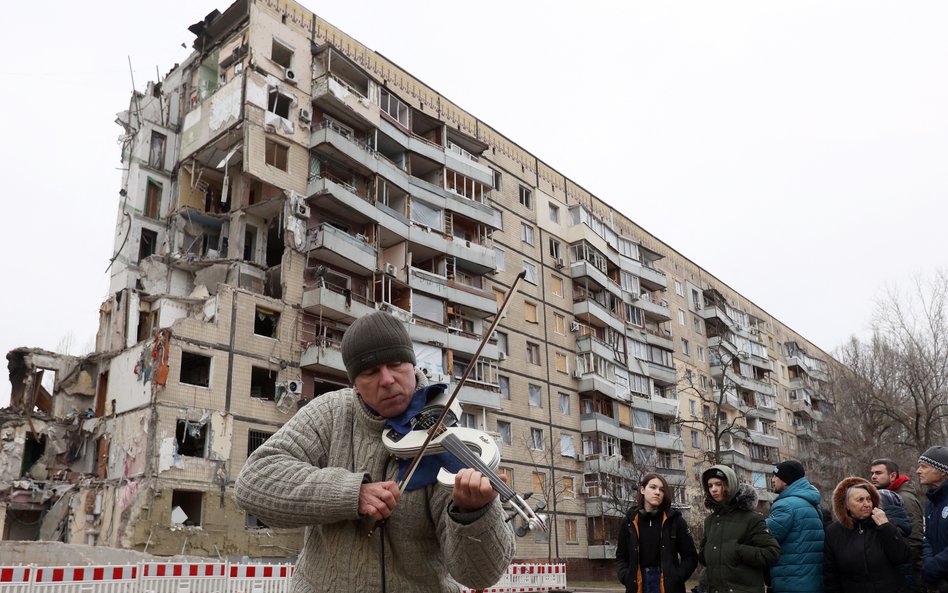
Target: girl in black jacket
863, 550
654, 547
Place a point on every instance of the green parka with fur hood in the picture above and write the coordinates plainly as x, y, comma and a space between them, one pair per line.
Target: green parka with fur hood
737, 547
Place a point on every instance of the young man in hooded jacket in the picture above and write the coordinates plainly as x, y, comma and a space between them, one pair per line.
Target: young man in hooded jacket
737, 547
796, 522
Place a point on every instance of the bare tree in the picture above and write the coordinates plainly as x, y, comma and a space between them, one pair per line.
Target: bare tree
891, 391
714, 422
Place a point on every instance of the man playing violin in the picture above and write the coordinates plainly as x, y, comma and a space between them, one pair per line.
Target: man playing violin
328, 470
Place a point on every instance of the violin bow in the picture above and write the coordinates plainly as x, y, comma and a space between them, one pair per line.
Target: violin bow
439, 423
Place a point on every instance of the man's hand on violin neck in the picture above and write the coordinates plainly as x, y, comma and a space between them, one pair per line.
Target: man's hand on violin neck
472, 491
378, 499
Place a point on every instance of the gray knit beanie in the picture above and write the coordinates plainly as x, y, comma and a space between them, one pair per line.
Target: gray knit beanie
937, 457
377, 338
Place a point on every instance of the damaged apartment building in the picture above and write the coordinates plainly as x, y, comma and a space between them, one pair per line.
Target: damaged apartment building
285, 180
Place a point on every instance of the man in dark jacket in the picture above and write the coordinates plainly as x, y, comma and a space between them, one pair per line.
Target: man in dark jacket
797, 524
884, 474
737, 547
933, 474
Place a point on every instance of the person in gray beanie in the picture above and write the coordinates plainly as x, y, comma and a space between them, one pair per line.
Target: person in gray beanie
933, 474
327, 470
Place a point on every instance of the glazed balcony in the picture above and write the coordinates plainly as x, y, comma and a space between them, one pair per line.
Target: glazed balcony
584, 270
662, 374
654, 307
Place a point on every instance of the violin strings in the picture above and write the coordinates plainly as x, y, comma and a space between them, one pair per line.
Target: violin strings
457, 447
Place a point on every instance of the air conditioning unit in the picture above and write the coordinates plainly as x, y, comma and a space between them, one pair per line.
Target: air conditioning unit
306, 115
501, 356
743, 354
560, 263
574, 326
290, 76
295, 386
301, 209
390, 269
580, 457
584, 490
577, 374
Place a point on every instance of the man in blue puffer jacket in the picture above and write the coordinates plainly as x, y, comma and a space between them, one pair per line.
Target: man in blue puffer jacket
797, 523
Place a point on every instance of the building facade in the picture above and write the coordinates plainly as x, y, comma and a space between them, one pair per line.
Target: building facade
286, 180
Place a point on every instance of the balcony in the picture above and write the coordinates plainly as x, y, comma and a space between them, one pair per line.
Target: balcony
662, 339
437, 195
654, 308
427, 332
593, 344
453, 157
340, 144
331, 93
668, 441
323, 357
602, 551
660, 373
713, 312
649, 277
592, 312
656, 405
335, 303
340, 249
452, 291
762, 412
801, 406
584, 269
593, 383
592, 423
766, 440
719, 342
334, 196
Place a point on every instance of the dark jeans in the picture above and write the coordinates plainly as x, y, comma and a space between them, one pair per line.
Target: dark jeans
652, 579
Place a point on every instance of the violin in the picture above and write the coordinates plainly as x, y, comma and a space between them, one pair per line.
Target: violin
474, 448
435, 430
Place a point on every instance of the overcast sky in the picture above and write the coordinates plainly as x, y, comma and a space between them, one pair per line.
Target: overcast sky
795, 150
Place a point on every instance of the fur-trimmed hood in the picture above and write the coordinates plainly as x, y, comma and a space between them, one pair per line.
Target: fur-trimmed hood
741, 496
840, 512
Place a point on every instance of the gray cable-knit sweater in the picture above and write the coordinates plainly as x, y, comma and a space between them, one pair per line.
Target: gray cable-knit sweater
308, 474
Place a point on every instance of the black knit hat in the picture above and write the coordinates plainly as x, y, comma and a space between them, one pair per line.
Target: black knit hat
937, 457
789, 471
377, 338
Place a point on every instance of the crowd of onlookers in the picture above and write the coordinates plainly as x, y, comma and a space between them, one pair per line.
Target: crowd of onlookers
879, 537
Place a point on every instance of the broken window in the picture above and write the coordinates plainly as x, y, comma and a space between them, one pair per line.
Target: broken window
156, 152
276, 155
281, 54
33, 450
266, 322
255, 438
254, 522
195, 369
186, 507
262, 383
191, 438
148, 244
279, 103
152, 199
102, 456
250, 242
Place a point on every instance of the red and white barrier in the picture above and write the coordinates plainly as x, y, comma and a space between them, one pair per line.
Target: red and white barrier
259, 578
183, 577
86, 579
219, 577
16, 579
528, 578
